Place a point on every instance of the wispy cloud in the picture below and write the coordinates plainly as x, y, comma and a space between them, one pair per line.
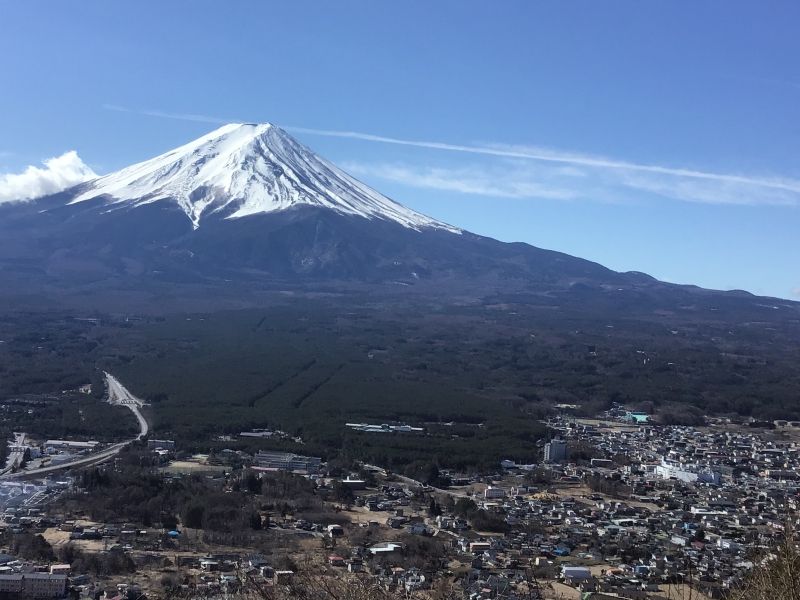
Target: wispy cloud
528, 180
545, 155
502, 183
685, 184
58, 174
167, 115
796, 292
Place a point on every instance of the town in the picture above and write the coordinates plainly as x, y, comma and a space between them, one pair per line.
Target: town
618, 507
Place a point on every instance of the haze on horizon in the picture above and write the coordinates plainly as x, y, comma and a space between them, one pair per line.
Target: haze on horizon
649, 138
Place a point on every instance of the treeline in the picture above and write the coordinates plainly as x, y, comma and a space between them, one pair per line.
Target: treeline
28, 546
45, 353
68, 416
97, 563
609, 486
136, 492
478, 518
5, 436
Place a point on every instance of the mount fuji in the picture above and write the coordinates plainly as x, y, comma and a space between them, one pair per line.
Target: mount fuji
241, 170
246, 211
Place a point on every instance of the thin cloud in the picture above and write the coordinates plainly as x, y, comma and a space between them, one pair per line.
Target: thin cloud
166, 115
471, 181
690, 185
709, 192
526, 180
58, 173
541, 154
796, 292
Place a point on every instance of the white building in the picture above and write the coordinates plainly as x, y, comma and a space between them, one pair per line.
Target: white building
670, 469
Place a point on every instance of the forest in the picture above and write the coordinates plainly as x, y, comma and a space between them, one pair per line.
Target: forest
477, 377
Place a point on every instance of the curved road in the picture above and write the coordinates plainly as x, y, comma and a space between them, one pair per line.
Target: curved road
118, 395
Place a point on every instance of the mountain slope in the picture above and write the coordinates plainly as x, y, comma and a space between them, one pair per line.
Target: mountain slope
241, 170
246, 210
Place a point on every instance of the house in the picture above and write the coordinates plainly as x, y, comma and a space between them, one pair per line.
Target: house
355, 565
57, 569
385, 548
209, 565
418, 528
355, 484
187, 561
267, 572
335, 560
283, 577
413, 580
335, 531
562, 550
477, 547
229, 580
575, 575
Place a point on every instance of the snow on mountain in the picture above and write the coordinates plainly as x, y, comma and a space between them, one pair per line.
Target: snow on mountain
247, 169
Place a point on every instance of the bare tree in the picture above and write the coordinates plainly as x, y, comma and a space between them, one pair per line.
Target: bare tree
778, 575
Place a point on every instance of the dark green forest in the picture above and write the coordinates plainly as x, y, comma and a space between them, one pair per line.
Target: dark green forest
478, 377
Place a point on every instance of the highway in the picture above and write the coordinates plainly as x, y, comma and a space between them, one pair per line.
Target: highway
118, 395
16, 454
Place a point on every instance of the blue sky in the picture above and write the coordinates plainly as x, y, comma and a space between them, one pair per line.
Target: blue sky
654, 136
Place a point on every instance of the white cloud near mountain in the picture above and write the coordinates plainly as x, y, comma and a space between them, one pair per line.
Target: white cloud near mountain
57, 174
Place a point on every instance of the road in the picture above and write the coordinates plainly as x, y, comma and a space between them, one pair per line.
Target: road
16, 454
118, 395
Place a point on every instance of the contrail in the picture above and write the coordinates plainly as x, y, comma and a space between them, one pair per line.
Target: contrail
537, 154
585, 161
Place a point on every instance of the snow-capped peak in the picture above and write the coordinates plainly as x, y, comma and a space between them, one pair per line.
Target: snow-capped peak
243, 169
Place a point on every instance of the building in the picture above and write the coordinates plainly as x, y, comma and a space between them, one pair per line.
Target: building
10, 584
287, 461
385, 548
51, 445
33, 585
555, 451
161, 444
575, 575
56, 569
355, 484
384, 428
494, 493
638, 418
671, 469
